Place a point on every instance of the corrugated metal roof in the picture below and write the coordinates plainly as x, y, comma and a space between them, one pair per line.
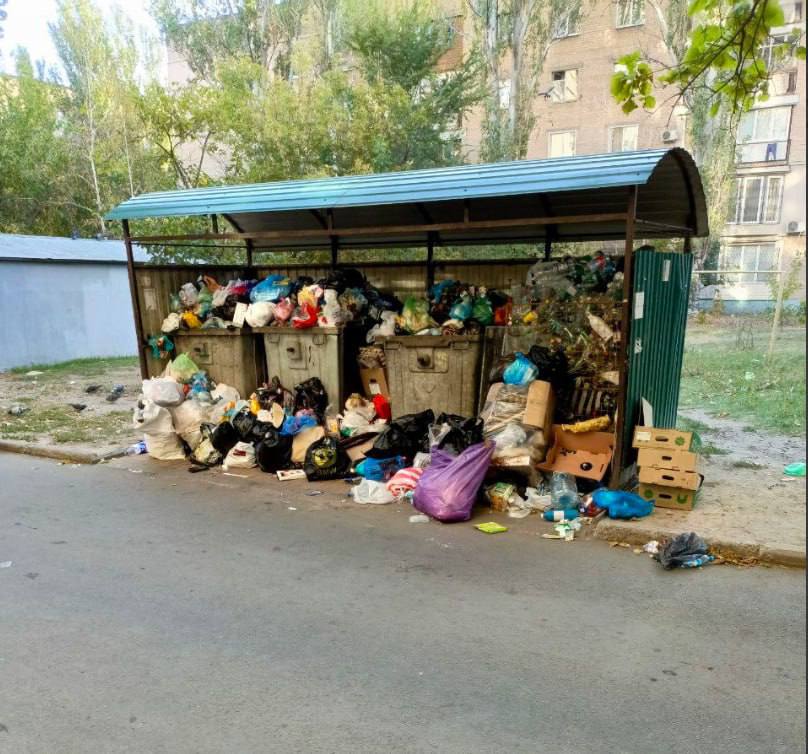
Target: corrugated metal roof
438, 184
43, 248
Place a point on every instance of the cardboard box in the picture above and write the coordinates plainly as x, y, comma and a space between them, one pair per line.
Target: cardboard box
357, 452
685, 480
651, 437
586, 455
669, 497
678, 460
536, 415
374, 382
540, 406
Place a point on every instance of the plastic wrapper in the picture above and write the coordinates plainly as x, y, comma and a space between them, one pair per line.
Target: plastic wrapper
448, 487
189, 295
370, 492
171, 323
310, 295
482, 311
386, 327
190, 320
260, 314
304, 317
332, 314
183, 368
380, 469
271, 288
415, 316
512, 436
283, 310
462, 308
522, 371
325, 459
161, 346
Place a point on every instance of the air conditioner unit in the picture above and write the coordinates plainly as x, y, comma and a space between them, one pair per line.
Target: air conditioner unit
795, 228
669, 135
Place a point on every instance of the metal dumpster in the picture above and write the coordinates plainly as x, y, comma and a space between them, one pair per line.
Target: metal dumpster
328, 353
441, 372
227, 356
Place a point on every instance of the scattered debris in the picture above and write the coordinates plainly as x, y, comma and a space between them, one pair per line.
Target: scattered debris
419, 518
314, 493
684, 551
795, 469
92, 388
18, 410
136, 471
240, 476
292, 508
33, 373
78, 406
491, 527
652, 547
6, 564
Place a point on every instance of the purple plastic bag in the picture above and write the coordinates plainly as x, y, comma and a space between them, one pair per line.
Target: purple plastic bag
447, 489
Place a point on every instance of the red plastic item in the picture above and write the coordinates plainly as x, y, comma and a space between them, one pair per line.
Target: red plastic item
305, 317
382, 406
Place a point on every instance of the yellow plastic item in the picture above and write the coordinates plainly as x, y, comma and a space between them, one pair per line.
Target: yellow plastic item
491, 527
191, 320
598, 424
255, 406
530, 317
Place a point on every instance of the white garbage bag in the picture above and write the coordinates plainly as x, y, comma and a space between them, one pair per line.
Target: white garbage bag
260, 314
370, 492
164, 391
241, 456
188, 418
161, 440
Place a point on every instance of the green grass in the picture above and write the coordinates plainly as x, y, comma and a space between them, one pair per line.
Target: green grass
65, 425
723, 379
85, 367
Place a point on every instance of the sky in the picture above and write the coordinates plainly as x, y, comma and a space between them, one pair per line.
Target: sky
26, 25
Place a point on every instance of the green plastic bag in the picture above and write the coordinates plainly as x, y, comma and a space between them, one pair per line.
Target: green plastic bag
795, 469
482, 311
183, 368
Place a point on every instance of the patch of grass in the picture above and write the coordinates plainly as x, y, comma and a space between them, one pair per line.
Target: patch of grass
744, 464
721, 378
79, 367
691, 425
65, 425
708, 449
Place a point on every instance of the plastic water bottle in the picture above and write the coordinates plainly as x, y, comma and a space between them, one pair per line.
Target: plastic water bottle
563, 491
138, 449
561, 515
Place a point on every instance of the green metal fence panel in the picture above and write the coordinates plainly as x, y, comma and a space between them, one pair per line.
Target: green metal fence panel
659, 320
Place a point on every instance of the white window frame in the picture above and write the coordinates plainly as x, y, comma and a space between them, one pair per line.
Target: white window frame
622, 126
757, 275
762, 209
550, 134
633, 5
757, 138
565, 93
570, 19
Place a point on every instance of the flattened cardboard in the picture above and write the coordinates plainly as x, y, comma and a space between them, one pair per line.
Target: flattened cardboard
569, 451
374, 382
669, 497
540, 406
652, 437
357, 452
686, 480
678, 460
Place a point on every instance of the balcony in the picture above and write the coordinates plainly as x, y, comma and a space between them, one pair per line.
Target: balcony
762, 151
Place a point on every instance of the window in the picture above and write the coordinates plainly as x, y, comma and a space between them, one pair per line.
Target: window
756, 259
776, 51
565, 86
630, 13
561, 144
568, 22
763, 134
792, 12
758, 199
623, 138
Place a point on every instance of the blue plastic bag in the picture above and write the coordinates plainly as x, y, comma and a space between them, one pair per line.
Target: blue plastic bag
380, 469
272, 288
462, 308
522, 371
294, 424
622, 504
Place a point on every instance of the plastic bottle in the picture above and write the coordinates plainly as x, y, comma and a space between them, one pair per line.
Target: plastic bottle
138, 449
563, 491
561, 515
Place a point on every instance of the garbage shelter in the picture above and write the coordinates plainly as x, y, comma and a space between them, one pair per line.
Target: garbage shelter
625, 197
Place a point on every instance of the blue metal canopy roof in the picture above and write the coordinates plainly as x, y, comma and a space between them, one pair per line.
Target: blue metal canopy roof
585, 184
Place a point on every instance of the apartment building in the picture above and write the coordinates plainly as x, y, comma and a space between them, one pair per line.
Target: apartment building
576, 114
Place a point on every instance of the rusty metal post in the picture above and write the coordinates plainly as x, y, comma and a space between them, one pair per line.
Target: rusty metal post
625, 336
130, 267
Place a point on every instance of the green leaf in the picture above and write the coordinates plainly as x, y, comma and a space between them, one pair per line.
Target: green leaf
649, 102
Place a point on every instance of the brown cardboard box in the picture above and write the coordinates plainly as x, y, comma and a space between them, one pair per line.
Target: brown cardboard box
569, 451
678, 460
539, 406
652, 437
669, 497
686, 480
357, 452
374, 382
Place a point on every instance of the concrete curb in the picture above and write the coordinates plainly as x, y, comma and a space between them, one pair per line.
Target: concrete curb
632, 534
60, 454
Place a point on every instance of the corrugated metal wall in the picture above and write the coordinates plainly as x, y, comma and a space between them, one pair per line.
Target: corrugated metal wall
659, 319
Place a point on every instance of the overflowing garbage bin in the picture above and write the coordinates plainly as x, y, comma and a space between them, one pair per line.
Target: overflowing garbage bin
328, 353
227, 355
438, 372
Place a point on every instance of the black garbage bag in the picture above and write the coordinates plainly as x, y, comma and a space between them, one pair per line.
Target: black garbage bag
224, 437
682, 549
553, 366
258, 430
300, 283
243, 422
311, 394
463, 433
227, 309
391, 442
343, 278
416, 427
273, 452
325, 459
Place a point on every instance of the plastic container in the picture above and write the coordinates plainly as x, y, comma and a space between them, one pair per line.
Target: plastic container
441, 372
563, 491
561, 515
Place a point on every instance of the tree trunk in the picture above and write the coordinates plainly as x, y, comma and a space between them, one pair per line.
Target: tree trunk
519, 22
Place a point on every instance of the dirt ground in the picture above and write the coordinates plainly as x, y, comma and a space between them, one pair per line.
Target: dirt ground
50, 419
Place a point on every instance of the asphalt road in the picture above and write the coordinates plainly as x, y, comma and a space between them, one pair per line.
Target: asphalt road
169, 612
